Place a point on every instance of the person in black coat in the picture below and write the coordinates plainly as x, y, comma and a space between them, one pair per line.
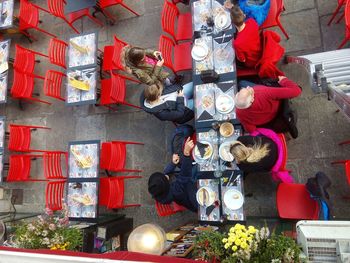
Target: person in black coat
167, 103
254, 153
183, 190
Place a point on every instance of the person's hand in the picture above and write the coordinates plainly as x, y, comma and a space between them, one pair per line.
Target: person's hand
160, 63
180, 93
281, 78
176, 158
189, 145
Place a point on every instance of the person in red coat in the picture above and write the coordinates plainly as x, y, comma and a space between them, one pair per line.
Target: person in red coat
247, 43
260, 105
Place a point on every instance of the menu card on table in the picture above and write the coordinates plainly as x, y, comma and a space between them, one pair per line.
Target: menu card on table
83, 180
4, 56
6, 13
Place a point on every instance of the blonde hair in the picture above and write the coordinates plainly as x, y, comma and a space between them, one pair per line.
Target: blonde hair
252, 154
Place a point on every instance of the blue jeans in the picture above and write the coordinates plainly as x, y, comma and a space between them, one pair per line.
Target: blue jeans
188, 93
245, 83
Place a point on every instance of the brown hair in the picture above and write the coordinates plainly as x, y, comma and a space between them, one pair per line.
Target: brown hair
135, 55
237, 16
151, 93
252, 154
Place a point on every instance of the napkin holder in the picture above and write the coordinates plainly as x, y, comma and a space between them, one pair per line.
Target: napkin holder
209, 76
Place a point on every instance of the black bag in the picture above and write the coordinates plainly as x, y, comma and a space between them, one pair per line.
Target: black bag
209, 76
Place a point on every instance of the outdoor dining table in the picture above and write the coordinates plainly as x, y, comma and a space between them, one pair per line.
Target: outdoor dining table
83, 180
6, 14
4, 58
82, 69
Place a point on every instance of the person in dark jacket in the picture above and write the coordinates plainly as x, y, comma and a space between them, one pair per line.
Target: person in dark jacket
169, 103
254, 153
183, 190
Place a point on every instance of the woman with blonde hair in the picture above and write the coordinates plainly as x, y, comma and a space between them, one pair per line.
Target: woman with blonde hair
254, 153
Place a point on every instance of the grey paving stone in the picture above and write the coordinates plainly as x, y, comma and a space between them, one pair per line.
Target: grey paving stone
333, 34
326, 7
298, 5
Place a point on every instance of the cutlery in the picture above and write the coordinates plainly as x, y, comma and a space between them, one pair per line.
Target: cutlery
229, 180
235, 180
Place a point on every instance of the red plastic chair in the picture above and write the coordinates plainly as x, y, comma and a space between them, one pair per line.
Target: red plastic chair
168, 209
20, 137
294, 202
273, 18
339, 5
23, 86
103, 4
53, 84
113, 156
183, 30
182, 54
25, 61
54, 193
29, 18
72, 17
111, 192
20, 166
113, 91
112, 55
56, 8
347, 168
57, 52
285, 151
347, 24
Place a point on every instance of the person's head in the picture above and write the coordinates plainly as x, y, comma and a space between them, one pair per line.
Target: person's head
158, 185
244, 98
253, 154
136, 55
152, 93
237, 16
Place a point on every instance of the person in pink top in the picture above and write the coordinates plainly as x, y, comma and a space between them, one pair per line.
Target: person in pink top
261, 106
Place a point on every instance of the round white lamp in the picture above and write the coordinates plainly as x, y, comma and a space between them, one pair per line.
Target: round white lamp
147, 238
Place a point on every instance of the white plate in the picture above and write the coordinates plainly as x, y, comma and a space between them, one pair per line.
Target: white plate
210, 194
199, 51
224, 103
196, 154
222, 21
225, 147
233, 199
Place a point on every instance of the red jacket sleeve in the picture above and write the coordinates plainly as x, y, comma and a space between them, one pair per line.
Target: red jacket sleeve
288, 90
249, 127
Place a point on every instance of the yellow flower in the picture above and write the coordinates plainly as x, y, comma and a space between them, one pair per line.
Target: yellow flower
231, 239
234, 248
237, 242
244, 245
244, 235
53, 248
224, 240
227, 246
232, 229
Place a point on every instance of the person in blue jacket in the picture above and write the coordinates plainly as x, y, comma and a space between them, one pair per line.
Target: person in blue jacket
183, 190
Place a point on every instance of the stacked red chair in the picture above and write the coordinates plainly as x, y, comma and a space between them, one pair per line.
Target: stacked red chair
180, 31
104, 4
29, 18
113, 91
25, 61
56, 8
294, 202
20, 166
347, 24
113, 156
57, 52
273, 18
112, 191
54, 194
168, 209
20, 137
53, 84
182, 54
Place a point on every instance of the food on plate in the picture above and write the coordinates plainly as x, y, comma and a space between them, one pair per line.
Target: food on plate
207, 101
203, 150
203, 196
203, 16
226, 129
224, 103
235, 196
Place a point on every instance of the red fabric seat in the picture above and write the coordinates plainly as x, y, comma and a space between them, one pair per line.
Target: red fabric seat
182, 54
170, 14
112, 190
113, 156
294, 202
273, 18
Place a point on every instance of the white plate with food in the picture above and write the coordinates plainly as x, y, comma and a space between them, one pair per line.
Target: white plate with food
233, 199
202, 151
224, 152
222, 20
205, 196
199, 51
224, 103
